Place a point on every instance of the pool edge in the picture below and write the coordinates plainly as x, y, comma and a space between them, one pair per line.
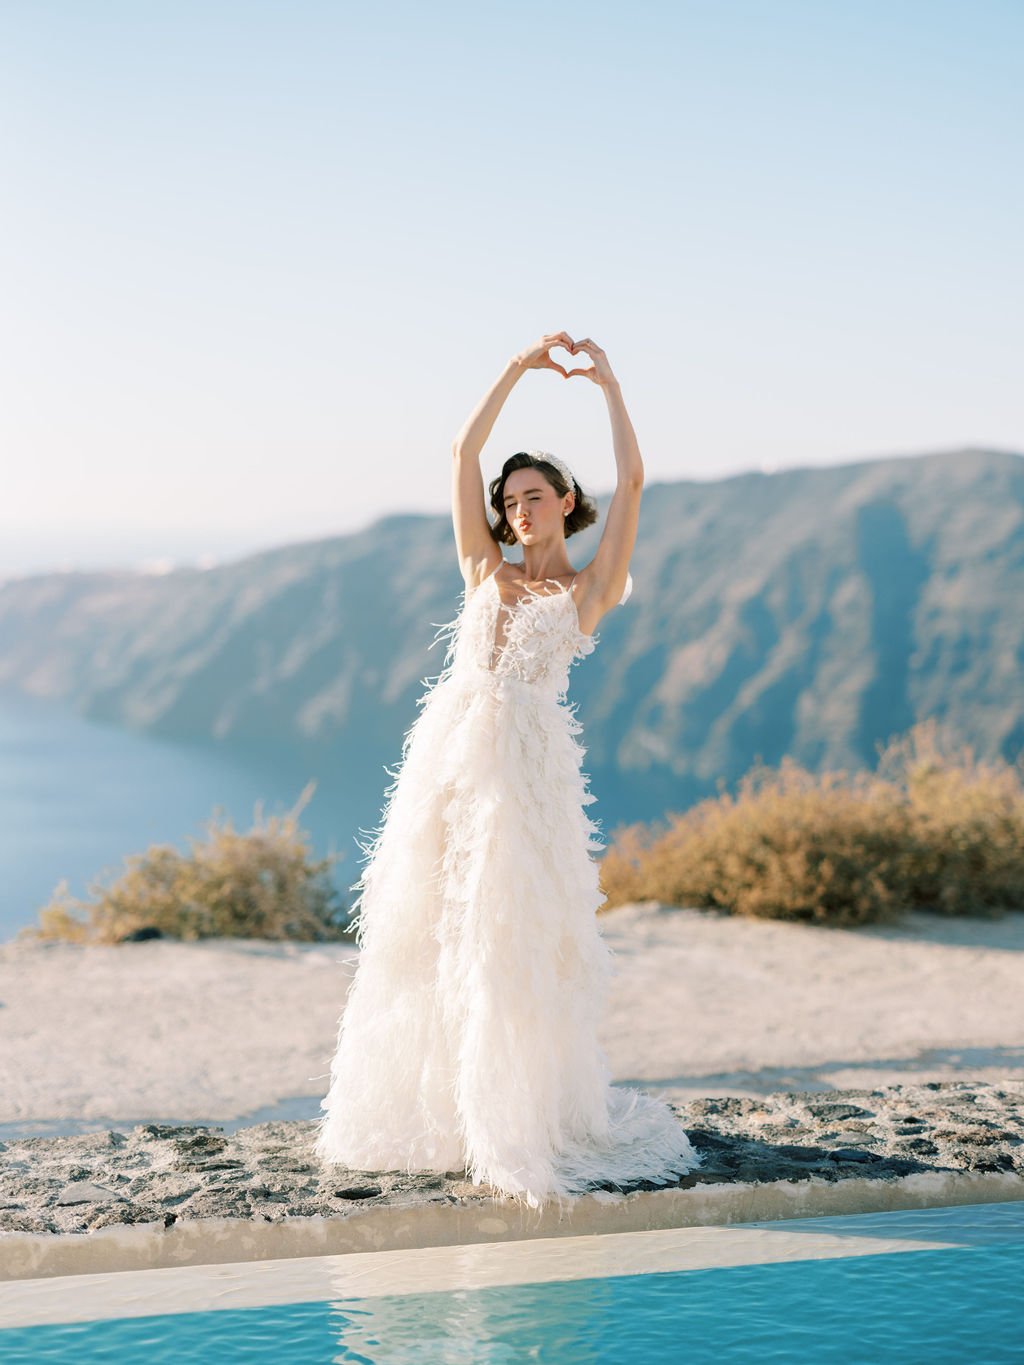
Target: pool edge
216, 1241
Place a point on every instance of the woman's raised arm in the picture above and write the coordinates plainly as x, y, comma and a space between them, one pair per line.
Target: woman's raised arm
608, 571
478, 553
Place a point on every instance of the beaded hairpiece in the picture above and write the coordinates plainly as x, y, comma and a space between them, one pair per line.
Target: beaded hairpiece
558, 464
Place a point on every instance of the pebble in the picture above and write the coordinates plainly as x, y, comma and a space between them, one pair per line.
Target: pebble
173, 1172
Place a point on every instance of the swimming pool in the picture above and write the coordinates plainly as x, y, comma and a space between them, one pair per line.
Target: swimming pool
937, 1285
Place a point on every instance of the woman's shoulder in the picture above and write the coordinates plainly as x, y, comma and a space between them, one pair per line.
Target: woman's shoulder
591, 604
586, 582
477, 572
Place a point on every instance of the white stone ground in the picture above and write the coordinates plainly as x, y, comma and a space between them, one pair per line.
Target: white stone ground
702, 1004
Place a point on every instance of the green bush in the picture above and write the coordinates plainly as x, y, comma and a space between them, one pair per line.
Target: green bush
259, 884
932, 829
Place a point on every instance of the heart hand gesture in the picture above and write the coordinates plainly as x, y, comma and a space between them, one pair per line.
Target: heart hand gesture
536, 357
600, 372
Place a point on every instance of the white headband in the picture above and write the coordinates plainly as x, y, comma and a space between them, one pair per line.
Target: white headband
558, 464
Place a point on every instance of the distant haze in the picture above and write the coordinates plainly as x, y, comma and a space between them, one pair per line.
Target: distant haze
157, 550
161, 549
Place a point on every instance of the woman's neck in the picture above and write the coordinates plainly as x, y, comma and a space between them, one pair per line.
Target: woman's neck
538, 567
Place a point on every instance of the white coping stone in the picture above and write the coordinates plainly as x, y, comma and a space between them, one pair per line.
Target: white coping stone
207, 1242
473, 1266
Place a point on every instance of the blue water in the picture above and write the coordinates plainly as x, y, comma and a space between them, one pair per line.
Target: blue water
76, 797
936, 1306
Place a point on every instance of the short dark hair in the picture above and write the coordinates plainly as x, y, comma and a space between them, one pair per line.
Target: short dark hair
584, 512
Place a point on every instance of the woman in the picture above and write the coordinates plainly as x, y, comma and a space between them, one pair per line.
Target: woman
469, 1039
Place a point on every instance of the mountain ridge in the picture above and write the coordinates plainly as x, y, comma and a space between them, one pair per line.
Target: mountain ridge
812, 611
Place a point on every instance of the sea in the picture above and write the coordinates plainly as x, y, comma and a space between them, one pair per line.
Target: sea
77, 796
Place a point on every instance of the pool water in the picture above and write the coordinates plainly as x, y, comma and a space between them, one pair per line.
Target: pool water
935, 1285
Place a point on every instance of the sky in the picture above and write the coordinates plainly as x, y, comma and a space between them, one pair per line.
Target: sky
260, 261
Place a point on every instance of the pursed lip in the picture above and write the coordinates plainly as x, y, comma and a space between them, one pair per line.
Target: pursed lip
524, 526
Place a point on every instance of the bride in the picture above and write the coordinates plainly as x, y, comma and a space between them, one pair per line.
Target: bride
468, 1043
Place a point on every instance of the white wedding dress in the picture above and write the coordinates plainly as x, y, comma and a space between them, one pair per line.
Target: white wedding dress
469, 1038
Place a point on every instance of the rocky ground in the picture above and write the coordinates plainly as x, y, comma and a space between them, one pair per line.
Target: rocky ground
166, 1174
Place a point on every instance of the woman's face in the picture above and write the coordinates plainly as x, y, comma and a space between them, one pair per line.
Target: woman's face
532, 507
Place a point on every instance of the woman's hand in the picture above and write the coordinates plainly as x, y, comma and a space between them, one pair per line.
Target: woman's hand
600, 372
536, 357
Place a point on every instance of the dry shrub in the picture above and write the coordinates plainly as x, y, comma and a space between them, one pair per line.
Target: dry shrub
966, 856
931, 829
259, 884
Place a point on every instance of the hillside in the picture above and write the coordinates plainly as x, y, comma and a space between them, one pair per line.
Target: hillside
812, 612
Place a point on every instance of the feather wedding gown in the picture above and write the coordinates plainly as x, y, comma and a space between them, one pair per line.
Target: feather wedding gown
469, 1039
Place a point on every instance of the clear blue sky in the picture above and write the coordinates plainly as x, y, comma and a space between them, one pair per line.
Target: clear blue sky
260, 260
